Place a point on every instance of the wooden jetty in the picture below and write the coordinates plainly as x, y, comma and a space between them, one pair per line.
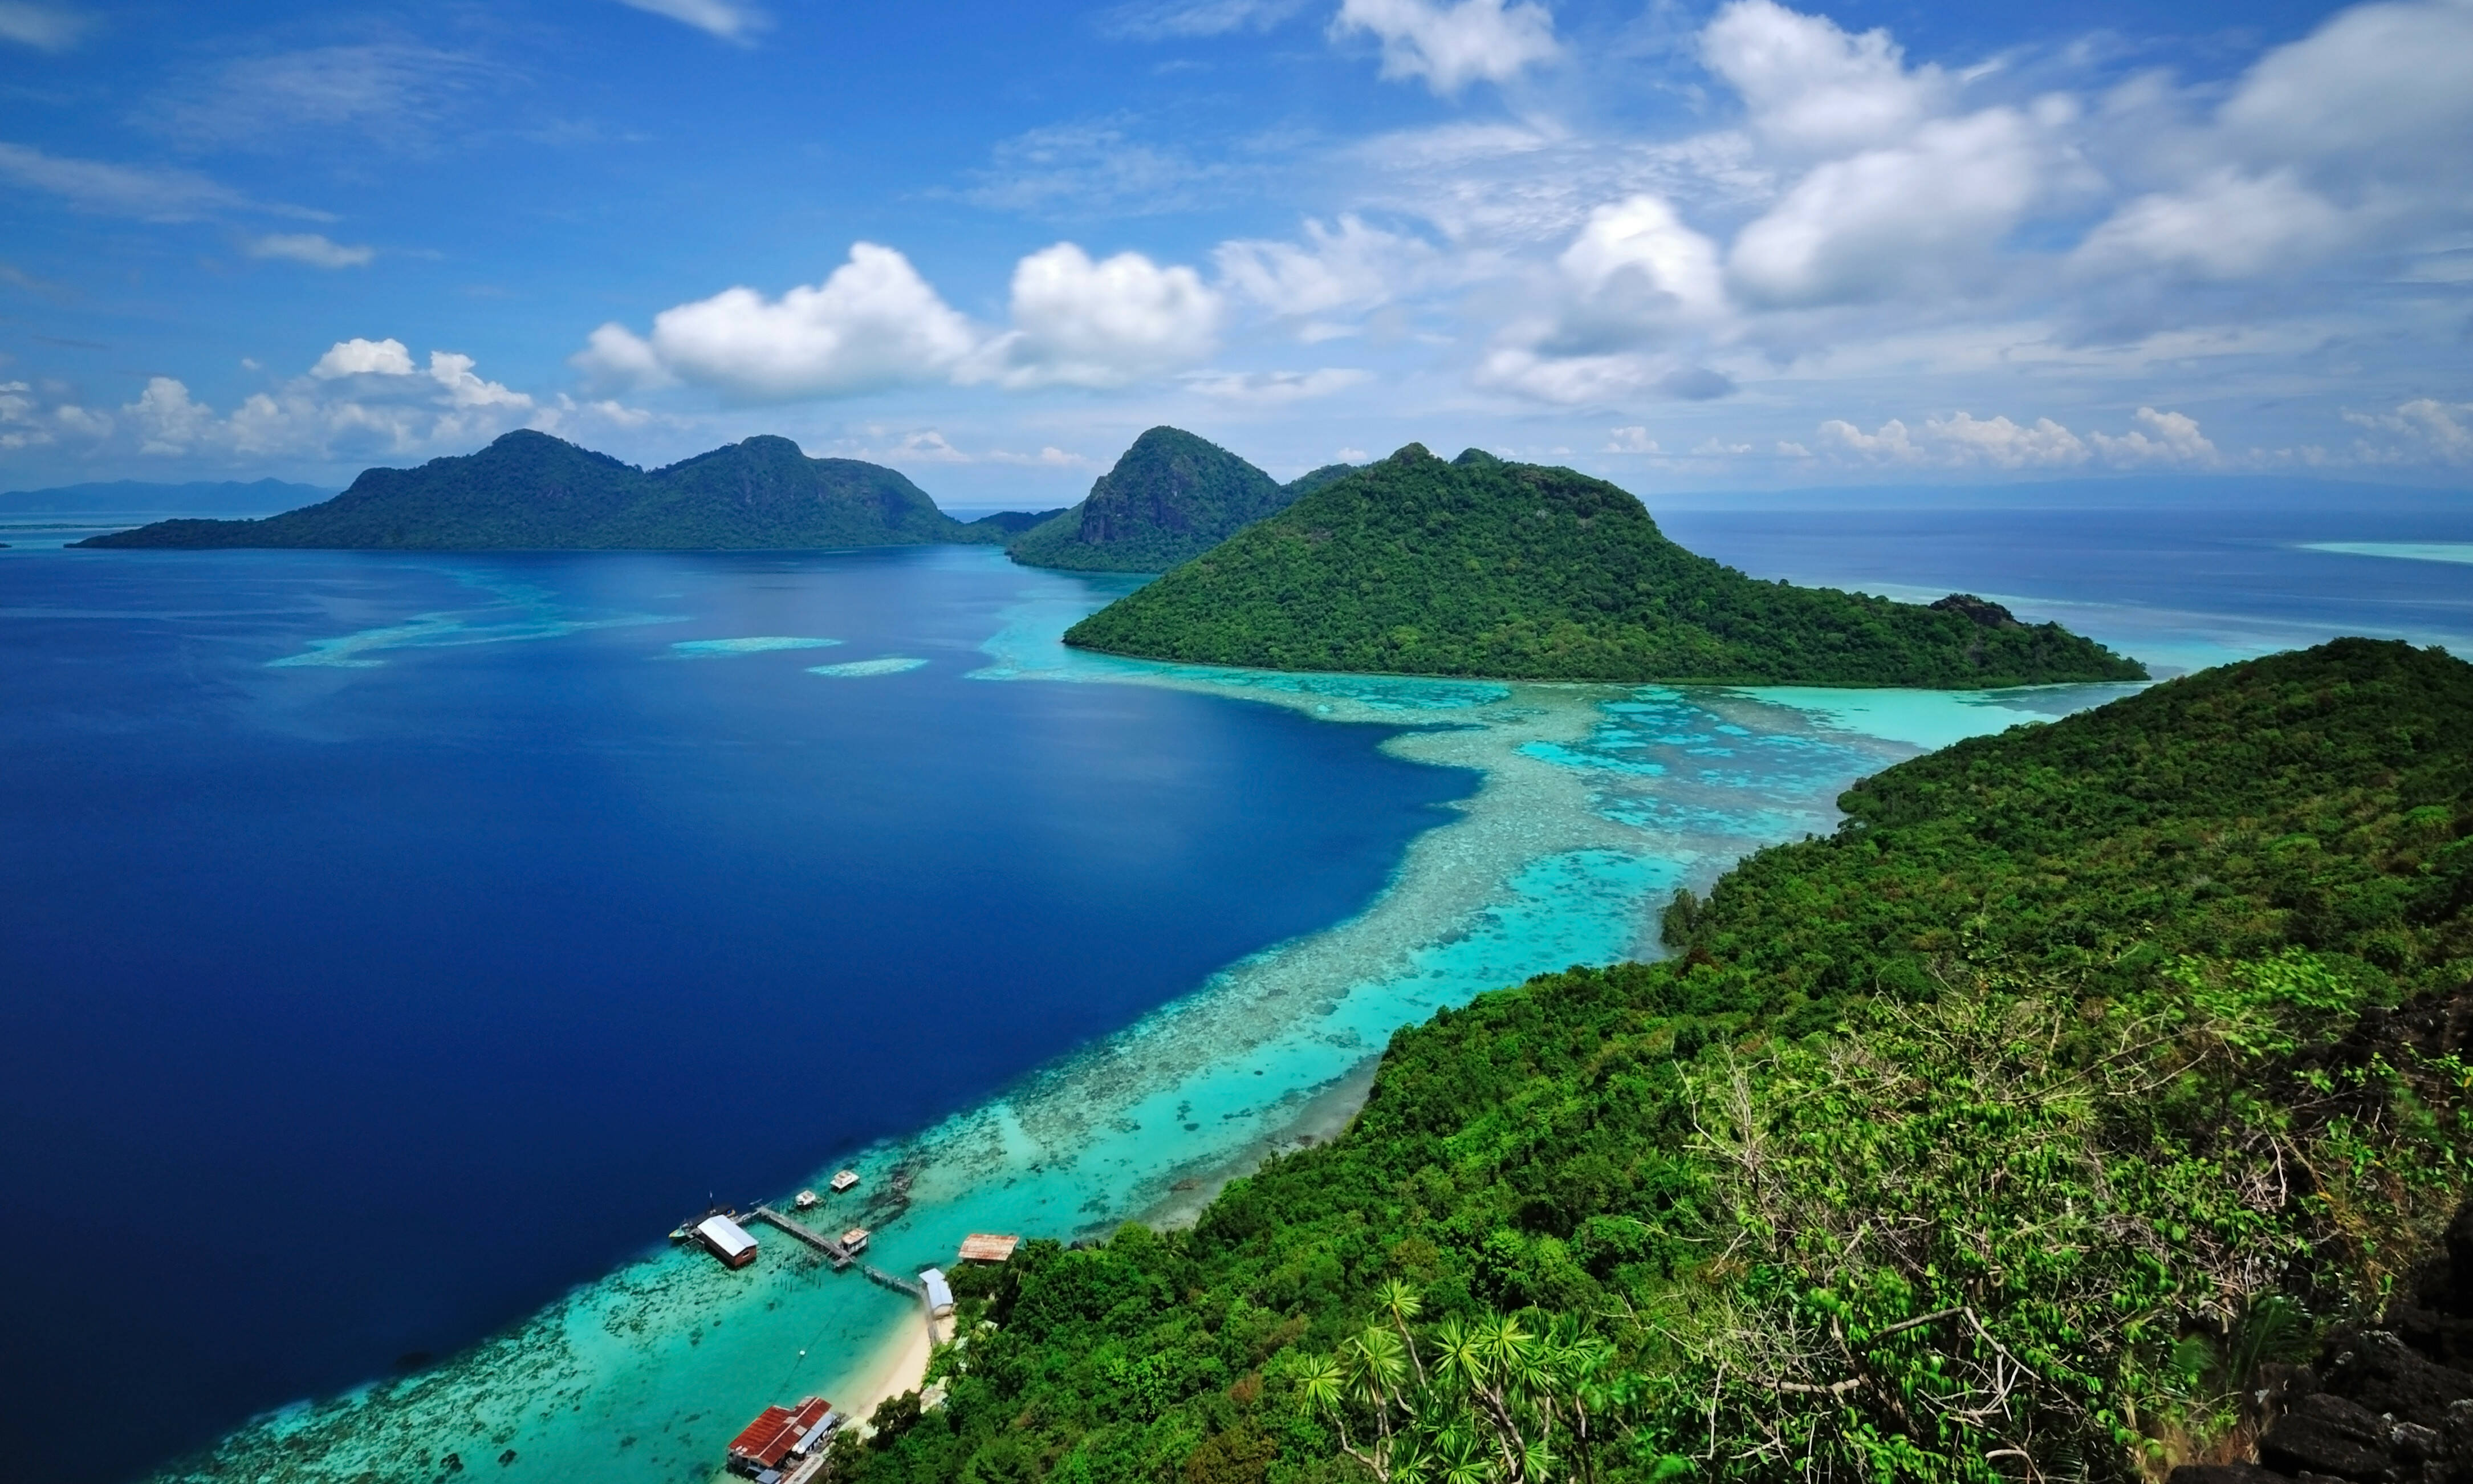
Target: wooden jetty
917, 1291
834, 1252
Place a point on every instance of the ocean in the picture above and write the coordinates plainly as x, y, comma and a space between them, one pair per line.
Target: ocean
401, 944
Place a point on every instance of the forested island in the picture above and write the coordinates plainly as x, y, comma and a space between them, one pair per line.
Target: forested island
2036, 1124
1169, 498
1476, 566
531, 491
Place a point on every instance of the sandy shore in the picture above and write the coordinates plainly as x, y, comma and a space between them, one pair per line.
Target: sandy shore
899, 1364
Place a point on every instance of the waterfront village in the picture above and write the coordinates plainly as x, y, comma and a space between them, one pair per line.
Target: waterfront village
786, 1444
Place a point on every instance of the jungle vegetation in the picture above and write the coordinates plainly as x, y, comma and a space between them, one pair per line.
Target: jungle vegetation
2006, 1132
1171, 497
531, 491
1414, 566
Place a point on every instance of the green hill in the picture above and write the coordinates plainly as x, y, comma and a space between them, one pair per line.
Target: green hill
1413, 565
530, 490
2018, 1130
1172, 498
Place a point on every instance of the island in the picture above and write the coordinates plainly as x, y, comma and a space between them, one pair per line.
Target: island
529, 490
1169, 498
2092, 1102
1482, 567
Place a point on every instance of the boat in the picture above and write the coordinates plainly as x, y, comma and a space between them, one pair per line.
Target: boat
806, 1200
844, 1181
854, 1240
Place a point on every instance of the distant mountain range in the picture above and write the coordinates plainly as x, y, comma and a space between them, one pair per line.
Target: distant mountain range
139, 497
1480, 567
1172, 498
530, 490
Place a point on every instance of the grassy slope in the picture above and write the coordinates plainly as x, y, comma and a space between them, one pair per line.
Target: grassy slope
1171, 497
529, 490
1480, 567
2099, 1075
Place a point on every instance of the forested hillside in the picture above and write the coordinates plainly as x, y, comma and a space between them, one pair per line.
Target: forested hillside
2015, 1130
1169, 498
531, 491
1413, 565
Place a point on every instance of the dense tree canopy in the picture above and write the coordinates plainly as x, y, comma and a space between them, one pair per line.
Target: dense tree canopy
2004, 1134
1171, 497
1413, 565
531, 491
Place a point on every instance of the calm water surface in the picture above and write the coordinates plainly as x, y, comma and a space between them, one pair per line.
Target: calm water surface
351, 1008
395, 943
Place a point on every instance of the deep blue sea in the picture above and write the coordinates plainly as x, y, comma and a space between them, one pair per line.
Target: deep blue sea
395, 943
351, 1010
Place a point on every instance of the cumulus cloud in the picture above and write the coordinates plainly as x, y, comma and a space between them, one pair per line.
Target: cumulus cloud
1895, 218
729, 21
1451, 45
358, 357
312, 249
1964, 441
167, 420
46, 28
874, 323
1104, 323
1630, 440
1810, 87
26, 423
1635, 275
2422, 431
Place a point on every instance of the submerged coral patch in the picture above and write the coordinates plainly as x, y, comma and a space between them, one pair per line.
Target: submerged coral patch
858, 669
724, 648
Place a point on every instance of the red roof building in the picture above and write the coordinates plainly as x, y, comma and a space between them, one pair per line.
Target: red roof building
779, 1434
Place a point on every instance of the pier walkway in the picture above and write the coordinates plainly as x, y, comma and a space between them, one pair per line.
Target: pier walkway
917, 1291
834, 1252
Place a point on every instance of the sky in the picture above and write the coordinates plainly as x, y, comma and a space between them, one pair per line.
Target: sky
1742, 244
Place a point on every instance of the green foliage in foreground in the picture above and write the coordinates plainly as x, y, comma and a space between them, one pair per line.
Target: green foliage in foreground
2002, 1133
1413, 565
1171, 497
531, 491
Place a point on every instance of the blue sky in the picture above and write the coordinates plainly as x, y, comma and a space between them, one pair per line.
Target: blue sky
1685, 246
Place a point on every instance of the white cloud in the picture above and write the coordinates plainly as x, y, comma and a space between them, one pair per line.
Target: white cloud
1050, 457
1630, 440
1348, 270
1105, 323
312, 249
400, 96
1452, 44
2422, 431
729, 21
1895, 218
143, 193
874, 323
1274, 388
2165, 437
46, 28
1810, 87
1964, 441
1635, 275
2383, 84
167, 420
1178, 18
464, 389
358, 357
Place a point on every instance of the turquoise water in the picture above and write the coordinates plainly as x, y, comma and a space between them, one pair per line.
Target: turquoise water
1596, 803
2460, 552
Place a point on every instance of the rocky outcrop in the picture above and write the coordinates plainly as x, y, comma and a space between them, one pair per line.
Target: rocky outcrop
2385, 1405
